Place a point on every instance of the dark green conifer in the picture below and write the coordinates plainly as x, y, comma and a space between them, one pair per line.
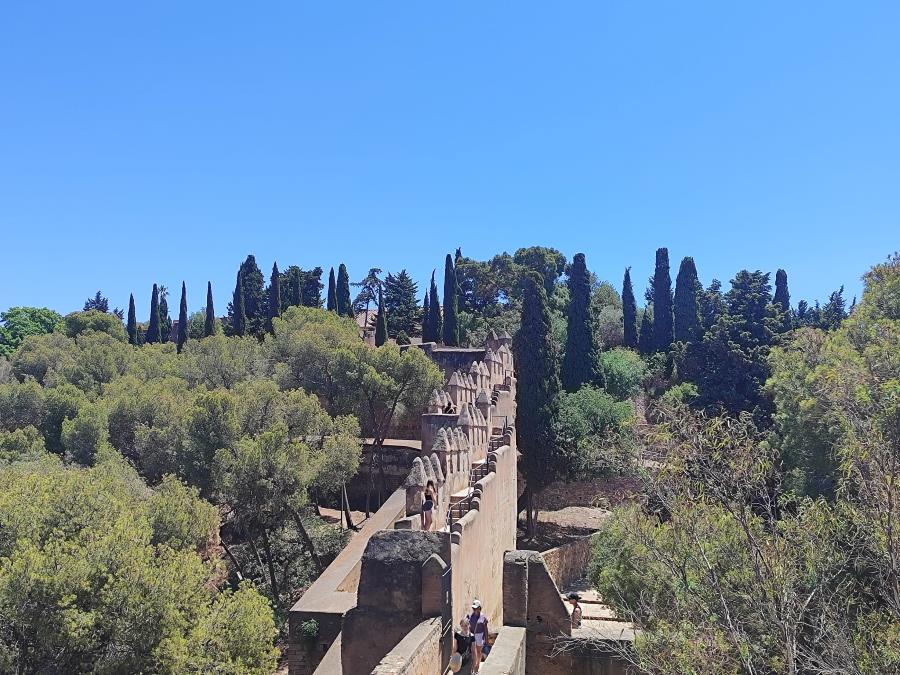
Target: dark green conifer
663, 329
209, 326
239, 312
782, 300
344, 304
629, 311
537, 393
435, 323
581, 361
273, 306
451, 323
332, 302
296, 294
182, 336
153, 329
165, 321
401, 304
687, 326
426, 331
132, 322
645, 339
254, 295
381, 333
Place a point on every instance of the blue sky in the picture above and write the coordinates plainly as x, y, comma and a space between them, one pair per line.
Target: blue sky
162, 141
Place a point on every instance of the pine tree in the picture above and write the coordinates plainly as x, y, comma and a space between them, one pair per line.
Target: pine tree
132, 322
182, 336
782, 300
312, 287
165, 321
331, 305
629, 311
435, 321
581, 362
153, 334
273, 306
209, 326
344, 304
687, 326
451, 324
645, 339
296, 294
239, 312
401, 304
426, 330
663, 331
381, 330
537, 393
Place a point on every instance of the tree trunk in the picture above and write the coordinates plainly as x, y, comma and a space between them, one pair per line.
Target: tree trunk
345, 504
301, 528
271, 564
237, 566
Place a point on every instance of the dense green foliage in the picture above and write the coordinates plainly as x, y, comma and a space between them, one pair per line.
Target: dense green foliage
342, 291
580, 364
209, 319
686, 312
450, 330
623, 372
629, 312
331, 303
782, 300
401, 304
663, 320
273, 305
154, 329
17, 323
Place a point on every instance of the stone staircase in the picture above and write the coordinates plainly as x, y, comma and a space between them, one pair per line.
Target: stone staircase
596, 616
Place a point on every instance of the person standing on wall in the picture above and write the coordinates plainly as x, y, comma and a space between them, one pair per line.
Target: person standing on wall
429, 501
576, 609
478, 625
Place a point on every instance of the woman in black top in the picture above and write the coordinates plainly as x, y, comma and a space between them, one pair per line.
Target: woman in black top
429, 501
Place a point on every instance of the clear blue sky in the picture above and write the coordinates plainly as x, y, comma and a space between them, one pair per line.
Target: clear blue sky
161, 141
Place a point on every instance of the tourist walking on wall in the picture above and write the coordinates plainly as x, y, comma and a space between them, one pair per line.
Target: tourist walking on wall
576, 609
478, 625
429, 501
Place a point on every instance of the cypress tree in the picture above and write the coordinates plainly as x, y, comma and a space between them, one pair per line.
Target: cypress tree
132, 322
344, 304
273, 307
663, 329
239, 312
629, 311
434, 306
209, 326
296, 294
182, 336
782, 300
687, 326
451, 324
165, 322
381, 322
254, 295
332, 302
581, 362
645, 340
426, 331
537, 392
153, 334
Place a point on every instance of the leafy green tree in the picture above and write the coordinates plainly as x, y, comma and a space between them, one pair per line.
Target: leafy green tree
237, 309
590, 424
435, 320
132, 327
782, 300
344, 304
645, 340
210, 324
834, 311
401, 304
369, 288
712, 305
165, 321
86, 436
687, 326
381, 330
182, 336
537, 394
623, 372
78, 323
212, 426
331, 305
629, 311
581, 360
21, 445
273, 306
17, 323
663, 328
450, 331
547, 262
154, 330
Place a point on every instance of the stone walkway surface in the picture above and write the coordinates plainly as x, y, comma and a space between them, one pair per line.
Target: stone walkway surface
598, 620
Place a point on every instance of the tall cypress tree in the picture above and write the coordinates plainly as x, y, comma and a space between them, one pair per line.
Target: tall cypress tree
254, 294
663, 329
782, 300
425, 320
629, 311
344, 304
153, 334
537, 393
165, 321
645, 339
296, 294
451, 300
581, 362
239, 312
381, 333
182, 336
273, 307
132, 322
209, 326
435, 326
687, 327
331, 304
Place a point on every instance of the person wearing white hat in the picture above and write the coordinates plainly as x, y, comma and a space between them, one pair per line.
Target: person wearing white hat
478, 626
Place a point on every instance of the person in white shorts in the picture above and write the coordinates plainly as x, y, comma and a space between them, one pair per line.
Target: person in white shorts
478, 626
